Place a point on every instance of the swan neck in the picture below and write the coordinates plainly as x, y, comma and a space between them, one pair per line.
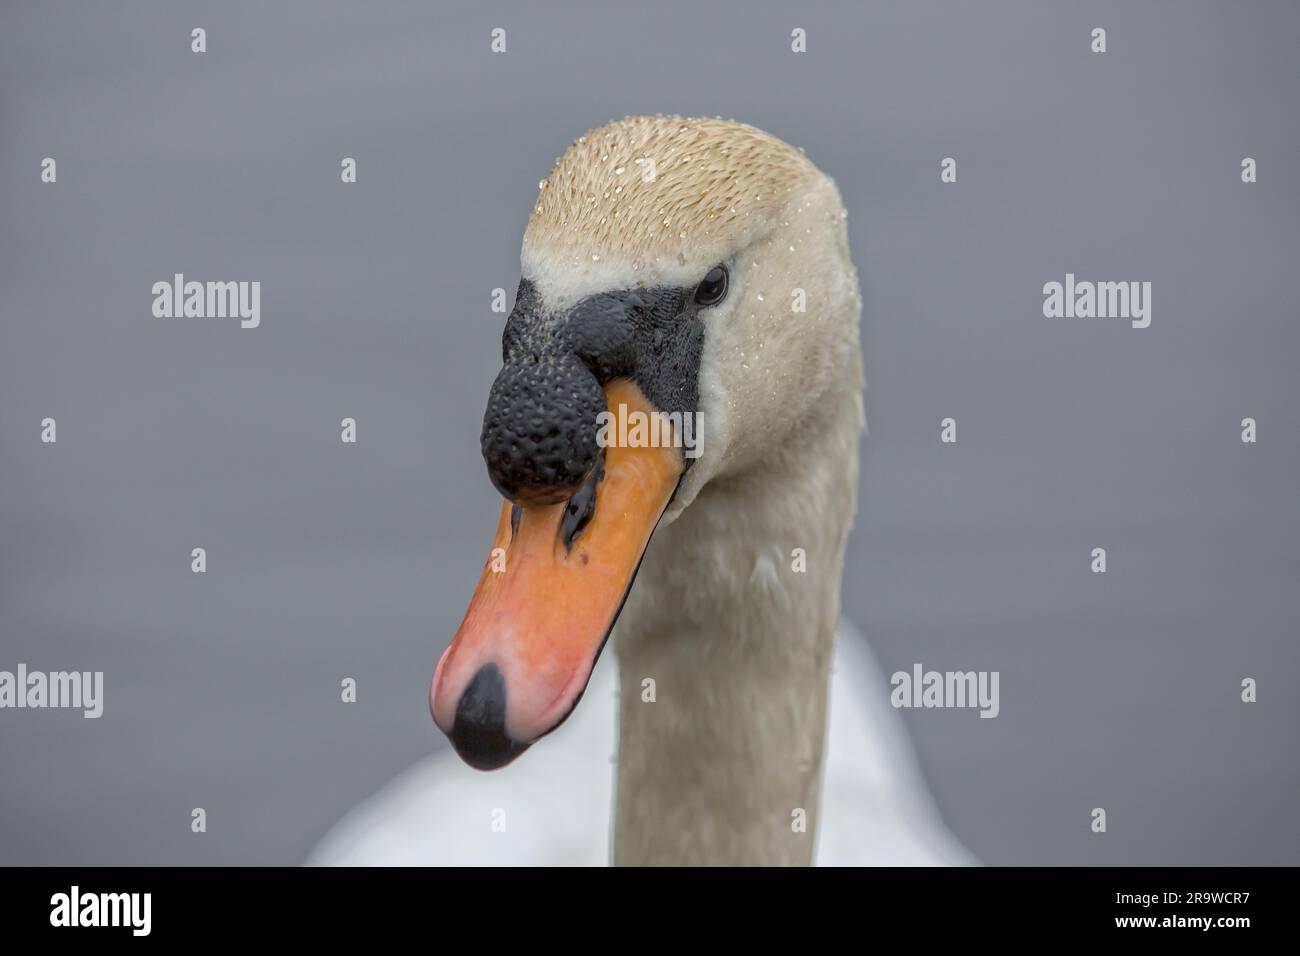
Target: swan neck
724, 655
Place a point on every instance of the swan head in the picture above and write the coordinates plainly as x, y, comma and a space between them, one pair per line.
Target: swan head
687, 303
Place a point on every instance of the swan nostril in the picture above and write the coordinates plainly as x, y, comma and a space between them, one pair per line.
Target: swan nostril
582, 506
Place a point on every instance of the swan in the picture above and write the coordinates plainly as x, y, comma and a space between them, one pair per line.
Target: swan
694, 271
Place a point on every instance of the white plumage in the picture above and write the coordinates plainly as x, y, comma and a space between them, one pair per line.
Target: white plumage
876, 808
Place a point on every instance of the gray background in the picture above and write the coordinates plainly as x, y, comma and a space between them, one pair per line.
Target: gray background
326, 560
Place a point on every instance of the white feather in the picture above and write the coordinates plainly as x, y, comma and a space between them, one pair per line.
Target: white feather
876, 809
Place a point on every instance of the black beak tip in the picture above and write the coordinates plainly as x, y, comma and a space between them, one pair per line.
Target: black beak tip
478, 733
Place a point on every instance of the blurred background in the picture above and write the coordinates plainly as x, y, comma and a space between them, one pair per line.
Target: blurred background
328, 560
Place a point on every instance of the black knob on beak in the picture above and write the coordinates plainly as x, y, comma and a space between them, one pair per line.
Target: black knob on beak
539, 433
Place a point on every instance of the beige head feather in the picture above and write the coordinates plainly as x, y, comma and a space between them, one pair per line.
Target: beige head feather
650, 198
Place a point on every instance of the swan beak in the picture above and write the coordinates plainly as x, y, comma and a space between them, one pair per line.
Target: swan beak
548, 597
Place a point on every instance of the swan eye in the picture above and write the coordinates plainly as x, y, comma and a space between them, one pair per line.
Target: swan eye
713, 288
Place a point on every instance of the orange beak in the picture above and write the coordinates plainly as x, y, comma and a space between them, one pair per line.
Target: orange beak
548, 598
